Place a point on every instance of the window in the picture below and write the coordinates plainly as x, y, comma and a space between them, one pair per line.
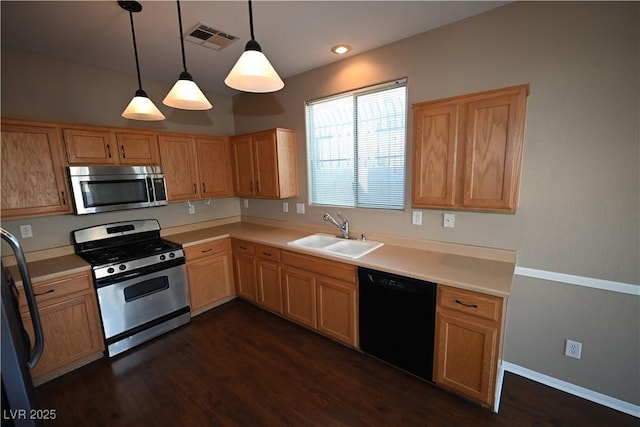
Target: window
356, 147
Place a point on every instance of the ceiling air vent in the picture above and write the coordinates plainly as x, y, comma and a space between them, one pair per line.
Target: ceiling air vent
209, 37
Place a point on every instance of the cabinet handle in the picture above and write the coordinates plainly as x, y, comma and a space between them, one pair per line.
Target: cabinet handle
195, 188
251, 186
64, 199
108, 150
206, 250
44, 293
258, 186
124, 156
204, 188
466, 305
244, 248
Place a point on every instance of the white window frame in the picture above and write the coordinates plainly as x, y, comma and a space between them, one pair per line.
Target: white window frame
345, 148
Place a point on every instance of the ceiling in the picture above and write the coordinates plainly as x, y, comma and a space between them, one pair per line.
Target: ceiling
296, 36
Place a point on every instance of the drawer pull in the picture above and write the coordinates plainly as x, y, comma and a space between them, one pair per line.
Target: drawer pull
466, 305
44, 293
266, 253
206, 250
244, 248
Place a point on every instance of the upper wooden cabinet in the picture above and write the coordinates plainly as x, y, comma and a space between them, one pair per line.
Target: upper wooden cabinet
265, 165
195, 167
33, 176
467, 151
106, 146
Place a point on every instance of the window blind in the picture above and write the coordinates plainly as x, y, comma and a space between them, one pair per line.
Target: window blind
356, 147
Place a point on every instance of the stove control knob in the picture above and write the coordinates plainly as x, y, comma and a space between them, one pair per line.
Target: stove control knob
163, 257
110, 270
172, 255
122, 267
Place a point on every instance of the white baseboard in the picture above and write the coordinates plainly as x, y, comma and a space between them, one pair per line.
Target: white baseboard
608, 401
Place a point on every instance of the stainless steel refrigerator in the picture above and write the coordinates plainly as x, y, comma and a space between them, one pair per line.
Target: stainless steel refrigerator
19, 400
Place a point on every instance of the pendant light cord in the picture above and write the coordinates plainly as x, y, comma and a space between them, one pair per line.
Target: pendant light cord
251, 20
184, 61
135, 50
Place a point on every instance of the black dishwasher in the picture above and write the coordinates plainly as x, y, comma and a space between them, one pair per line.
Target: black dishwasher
397, 320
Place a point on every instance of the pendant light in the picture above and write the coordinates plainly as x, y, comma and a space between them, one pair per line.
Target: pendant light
185, 94
140, 107
253, 72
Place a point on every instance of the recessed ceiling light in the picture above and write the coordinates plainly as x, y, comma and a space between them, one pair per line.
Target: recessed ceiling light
341, 49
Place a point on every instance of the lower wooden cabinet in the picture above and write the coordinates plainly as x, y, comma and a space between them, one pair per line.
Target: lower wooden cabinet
70, 322
268, 273
300, 290
322, 295
337, 310
468, 330
209, 274
244, 269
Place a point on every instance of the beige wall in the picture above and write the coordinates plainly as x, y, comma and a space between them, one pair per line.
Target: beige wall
44, 88
579, 209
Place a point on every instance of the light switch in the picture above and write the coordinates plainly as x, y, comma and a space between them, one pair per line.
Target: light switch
285, 207
416, 218
300, 208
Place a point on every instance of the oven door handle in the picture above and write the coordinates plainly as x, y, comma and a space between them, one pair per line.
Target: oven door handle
110, 280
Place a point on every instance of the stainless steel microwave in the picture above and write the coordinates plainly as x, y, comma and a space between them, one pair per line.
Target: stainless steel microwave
112, 188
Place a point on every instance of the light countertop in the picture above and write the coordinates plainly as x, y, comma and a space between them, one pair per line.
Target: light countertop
466, 272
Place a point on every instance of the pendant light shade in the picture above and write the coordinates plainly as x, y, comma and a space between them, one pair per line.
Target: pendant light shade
140, 107
185, 94
253, 72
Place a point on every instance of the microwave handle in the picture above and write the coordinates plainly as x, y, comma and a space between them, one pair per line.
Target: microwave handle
151, 194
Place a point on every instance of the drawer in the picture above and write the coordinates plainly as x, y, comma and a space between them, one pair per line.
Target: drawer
473, 303
206, 249
267, 252
54, 290
242, 246
337, 270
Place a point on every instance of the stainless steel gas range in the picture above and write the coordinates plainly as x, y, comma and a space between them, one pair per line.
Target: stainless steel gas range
140, 280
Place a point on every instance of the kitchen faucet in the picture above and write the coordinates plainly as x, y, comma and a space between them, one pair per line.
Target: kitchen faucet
344, 227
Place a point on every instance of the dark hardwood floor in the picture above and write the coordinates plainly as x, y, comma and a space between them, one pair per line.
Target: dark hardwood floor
238, 365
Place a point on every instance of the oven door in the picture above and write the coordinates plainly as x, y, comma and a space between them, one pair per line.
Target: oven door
129, 306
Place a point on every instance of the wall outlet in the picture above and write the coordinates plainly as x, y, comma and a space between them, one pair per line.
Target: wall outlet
245, 203
449, 220
573, 349
300, 208
285, 207
25, 231
416, 218
192, 209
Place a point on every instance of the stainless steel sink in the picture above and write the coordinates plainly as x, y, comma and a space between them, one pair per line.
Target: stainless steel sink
326, 243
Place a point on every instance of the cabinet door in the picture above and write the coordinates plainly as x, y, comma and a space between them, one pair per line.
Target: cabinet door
245, 275
300, 296
33, 176
266, 164
269, 285
180, 167
209, 281
214, 167
71, 332
90, 146
466, 351
337, 310
242, 153
434, 155
493, 151
138, 148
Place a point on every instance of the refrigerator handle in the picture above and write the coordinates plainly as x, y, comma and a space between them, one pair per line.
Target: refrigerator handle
38, 346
